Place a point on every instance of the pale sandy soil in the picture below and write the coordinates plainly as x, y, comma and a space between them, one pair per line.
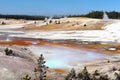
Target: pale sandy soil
65, 24
13, 24
70, 24
11, 21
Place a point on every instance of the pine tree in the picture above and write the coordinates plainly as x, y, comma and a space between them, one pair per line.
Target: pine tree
71, 75
41, 69
84, 75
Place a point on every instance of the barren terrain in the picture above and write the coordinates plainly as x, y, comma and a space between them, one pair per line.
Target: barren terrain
72, 43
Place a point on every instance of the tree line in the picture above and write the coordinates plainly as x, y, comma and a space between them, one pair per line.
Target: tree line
99, 15
26, 17
92, 14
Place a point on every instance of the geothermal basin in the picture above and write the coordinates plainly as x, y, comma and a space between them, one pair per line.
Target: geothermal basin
52, 44
57, 55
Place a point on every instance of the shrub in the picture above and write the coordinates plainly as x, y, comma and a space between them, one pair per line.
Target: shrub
3, 23
26, 77
71, 75
8, 52
96, 73
105, 77
117, 76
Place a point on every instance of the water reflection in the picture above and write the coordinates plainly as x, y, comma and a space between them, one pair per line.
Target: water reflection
64, 57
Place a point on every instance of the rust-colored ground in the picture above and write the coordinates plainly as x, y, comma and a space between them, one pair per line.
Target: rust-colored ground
100, 48
17, 42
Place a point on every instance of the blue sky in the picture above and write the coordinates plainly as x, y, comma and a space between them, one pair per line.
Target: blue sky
56, 7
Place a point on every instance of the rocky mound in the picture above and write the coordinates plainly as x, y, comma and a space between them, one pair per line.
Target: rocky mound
14, 67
